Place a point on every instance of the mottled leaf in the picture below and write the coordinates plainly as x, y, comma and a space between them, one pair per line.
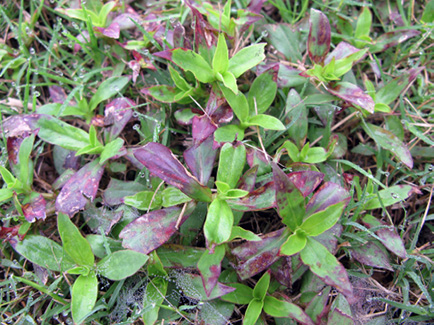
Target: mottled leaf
296, 115
117, 114
262, 198
322, 263
35, 210
112, 31
202, 128
371, 254
328, 194
65, 159
248, 180
289, 200
162, 163
389, 237
117, 190
177, 256
16, 125
254, 257
318, 43
209, 267
353, 95
341, 51
83, 185
153, 229
387, 140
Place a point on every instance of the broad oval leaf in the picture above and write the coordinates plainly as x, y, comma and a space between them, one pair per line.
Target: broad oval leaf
253, 312
84, 295
318, 43
328, 194
44, 252
121, 264
280, 308
118, 113
373, 255
262, 93
219, 222
323, 220
83, 185
322, 263
267, 122
117, 190
231, 163
294, 244
74, 244
353, 95
387, 140
237, 102
241, 296
286, 40
246, 59
107, 89
153, 229
162, 163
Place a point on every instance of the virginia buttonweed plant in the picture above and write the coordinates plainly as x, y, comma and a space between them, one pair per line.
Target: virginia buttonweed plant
203, 162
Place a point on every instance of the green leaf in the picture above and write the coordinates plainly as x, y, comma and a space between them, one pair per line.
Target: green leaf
388, 196
7, 176
323, 220
191, 61
104, 12
222, 187
262, 92
178, 80
364, 23
292, 151
342, 66
241, 296
172, 196
280, 308
44, 252
74, 244
121, 264
253, 311
111, 149
233, 194
267, 122
230, 82
84, 294
231, 164
229, 133
428, 13
238, 232
108, 89
238, 103
325, 265
145, 200
295, 243
391, 142
219, 221
6, 194
57, 132
220, 62
93, 138
261, 287
25, 165
246, 59
79, 270
315, 155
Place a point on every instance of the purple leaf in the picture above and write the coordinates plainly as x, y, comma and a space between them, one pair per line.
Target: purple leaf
57, 94
371, 254
328, 194
318, 42
389, 237
79, 188
124, 20
117, 190
162, 163
248, 180
392, 38
257, 157
306, 181
256, 6
204, 33
153, 229
202, 128
13, 145
282, 271
353, 95
113, 31
329, 238
35, 210
191, 285
16, 125
209, 267
289, 200
341, 51
117, 114
101, 218
65, 159
262, 198
200, 159
256, 256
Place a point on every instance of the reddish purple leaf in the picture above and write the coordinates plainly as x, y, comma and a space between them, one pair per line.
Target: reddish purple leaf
373, 255
200, 159
256, 6
35, 210
202, 128
203, 31
329, 238
117, 114
65, 159
179, 39
135, 66
162, 163
328, 194
113, 31
13, 145
57, 94
248, 180
153, 229
9, 232
389, 237
124, 20
133, 160
84, 38
191, 285
306, 181
257, 157
209, 267
353, 95
16, 125
256, 256
318, 42
282, 271
79, 188
392, 38
341, 51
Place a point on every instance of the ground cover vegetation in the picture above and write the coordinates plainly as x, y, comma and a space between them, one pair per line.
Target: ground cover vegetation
237, 162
